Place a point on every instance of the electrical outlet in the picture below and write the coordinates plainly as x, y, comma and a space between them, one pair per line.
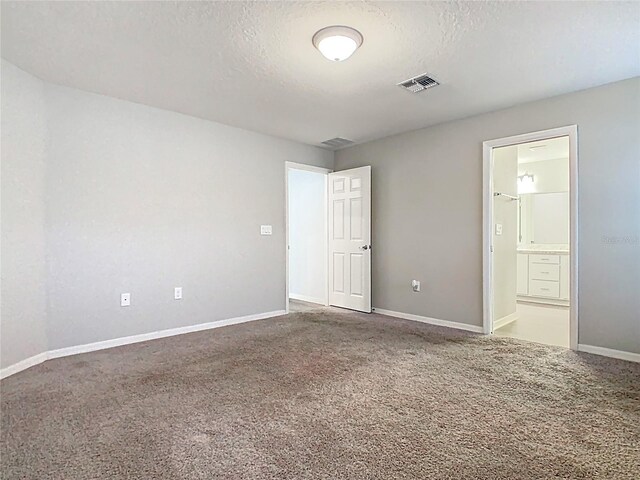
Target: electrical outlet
498, 229
415, 284
177, 293
125, 299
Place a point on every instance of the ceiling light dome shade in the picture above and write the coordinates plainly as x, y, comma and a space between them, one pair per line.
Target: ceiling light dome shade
337, 43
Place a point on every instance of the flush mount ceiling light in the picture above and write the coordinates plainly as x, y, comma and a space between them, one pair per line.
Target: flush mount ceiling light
337, 43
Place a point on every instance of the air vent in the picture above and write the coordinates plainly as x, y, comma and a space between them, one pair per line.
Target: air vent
337, 142
419, 83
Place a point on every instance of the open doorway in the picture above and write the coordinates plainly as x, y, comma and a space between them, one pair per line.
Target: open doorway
530, 287
306, 221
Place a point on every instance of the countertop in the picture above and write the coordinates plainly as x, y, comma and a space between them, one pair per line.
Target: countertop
545, 249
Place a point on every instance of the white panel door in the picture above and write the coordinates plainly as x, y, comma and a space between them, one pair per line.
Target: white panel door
350, 239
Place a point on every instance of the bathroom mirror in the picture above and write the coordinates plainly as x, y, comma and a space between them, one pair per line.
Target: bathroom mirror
543, 218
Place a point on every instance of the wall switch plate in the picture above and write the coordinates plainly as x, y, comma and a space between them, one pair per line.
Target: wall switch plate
415, 284
177, 293
125, 299
266, 230
498, 229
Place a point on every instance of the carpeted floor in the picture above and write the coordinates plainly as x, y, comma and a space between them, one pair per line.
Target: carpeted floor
324, 394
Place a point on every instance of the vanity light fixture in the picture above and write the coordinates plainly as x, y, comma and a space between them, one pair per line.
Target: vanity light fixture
525, 183
526, 178
338, 42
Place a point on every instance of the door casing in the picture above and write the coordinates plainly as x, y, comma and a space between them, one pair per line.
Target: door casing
571, 132
310, 168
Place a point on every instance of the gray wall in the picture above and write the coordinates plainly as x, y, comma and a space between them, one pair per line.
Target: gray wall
427, 210
23, 286
138, 200
142, 200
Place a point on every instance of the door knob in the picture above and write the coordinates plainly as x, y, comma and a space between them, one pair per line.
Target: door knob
365, 247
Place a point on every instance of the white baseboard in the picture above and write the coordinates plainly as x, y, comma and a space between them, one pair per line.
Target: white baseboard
608, 352
430, 321
117, 342
505, 320
304, 298
543, 301
23, 365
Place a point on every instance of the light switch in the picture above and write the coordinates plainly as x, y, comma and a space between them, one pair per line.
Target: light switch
415, 284
266, 229
177, 293
125, 299
498, 229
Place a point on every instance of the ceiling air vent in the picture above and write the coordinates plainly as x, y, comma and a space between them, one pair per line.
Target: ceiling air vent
419, 83
337, 142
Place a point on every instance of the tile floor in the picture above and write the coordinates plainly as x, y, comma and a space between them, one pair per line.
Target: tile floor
546, 324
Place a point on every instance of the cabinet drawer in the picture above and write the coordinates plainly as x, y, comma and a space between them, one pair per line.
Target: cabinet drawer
544, 259
544, 288
540, 271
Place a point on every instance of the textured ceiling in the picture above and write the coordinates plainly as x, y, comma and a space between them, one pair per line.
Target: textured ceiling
252, 65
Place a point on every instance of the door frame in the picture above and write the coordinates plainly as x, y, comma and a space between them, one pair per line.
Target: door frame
366, 195
570, 131
309, 168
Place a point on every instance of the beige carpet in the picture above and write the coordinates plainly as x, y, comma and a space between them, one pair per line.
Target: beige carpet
324, 395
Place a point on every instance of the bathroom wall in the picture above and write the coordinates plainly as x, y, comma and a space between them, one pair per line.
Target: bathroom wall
549, 175
505, 212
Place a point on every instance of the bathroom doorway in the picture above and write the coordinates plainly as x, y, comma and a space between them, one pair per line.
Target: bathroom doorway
530, 210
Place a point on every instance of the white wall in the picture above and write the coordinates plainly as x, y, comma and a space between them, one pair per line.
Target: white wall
137, 200
505, 212
307, 235
23, 169
427, 210
549, 176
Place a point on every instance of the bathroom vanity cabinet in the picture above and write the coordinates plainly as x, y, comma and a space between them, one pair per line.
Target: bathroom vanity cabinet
543, 276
